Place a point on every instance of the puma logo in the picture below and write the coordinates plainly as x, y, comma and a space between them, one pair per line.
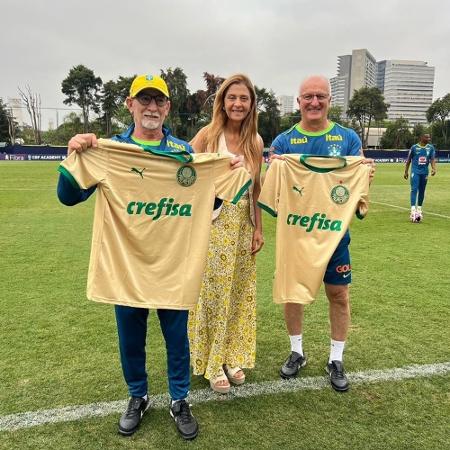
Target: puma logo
139, 172
300, 191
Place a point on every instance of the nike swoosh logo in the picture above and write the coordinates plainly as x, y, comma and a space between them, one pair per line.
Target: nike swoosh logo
346, 275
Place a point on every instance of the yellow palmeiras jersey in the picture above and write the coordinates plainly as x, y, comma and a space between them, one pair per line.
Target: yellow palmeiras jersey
314, 199
152, 220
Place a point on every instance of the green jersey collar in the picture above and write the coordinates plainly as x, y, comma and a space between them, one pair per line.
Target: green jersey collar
313, 168
315, 133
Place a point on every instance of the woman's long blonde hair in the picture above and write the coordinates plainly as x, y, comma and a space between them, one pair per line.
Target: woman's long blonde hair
249, 127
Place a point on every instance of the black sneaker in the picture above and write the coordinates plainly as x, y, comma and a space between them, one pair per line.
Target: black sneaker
292, 365
186, 424
131, 418
338, 379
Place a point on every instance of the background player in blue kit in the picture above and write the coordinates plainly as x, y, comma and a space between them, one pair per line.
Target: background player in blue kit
316, 135
419, 157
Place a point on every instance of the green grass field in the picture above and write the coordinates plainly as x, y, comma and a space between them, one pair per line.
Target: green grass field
59, 349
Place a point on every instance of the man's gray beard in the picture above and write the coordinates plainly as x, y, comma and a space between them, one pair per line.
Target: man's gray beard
150, 124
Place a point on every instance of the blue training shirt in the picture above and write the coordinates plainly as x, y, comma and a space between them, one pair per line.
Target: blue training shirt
421, 157
335, 140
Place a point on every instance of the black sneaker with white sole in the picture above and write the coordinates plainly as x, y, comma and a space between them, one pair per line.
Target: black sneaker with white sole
185, 422
338, 379
131, 418
292, 365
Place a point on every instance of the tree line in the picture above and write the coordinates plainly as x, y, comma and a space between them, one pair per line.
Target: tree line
103, 111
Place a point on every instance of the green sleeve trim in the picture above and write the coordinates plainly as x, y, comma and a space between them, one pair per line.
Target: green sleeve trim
267, 209
241, 192
303, 159
69, 177
182, 156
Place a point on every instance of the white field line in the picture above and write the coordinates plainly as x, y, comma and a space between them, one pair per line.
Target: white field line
407, 209
161, 401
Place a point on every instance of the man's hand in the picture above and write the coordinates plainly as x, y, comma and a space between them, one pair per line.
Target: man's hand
257, 241
405, 175
275, 156
81, 142
371, 162
433, 172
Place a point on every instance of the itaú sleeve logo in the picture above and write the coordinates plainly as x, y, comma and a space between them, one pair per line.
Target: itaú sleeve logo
317, 220
165, 207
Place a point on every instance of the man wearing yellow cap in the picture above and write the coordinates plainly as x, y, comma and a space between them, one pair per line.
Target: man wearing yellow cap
149, 105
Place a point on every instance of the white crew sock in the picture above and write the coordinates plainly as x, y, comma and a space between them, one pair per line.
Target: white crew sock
145, 397
413, 209
297, 343
336, 350
419, 209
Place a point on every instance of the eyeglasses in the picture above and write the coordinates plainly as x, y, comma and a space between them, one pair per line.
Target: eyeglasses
146, 99
310, 97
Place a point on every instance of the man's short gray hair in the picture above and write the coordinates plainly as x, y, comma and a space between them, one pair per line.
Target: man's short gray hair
321, 77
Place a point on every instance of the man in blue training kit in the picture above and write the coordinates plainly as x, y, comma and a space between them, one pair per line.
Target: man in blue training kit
419, 157
316, 135
149, 105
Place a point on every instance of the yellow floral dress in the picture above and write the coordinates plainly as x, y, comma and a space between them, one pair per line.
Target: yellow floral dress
222, 328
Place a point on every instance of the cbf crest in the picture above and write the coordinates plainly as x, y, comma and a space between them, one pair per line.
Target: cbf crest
334, 150
186, 176
340, 194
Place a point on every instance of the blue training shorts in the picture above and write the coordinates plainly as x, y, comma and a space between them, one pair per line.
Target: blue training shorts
339, 269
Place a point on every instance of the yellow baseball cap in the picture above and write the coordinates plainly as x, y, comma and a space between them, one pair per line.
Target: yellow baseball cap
142, 82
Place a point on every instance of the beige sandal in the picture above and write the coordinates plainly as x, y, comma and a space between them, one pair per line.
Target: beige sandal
235, 374
222, 388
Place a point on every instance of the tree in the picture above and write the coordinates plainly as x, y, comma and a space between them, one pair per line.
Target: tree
179, 93
419, 130
269, 114
439, 111
60, 136
335, 113
397, 135
82, 88
122, 116
367, 104
109, 105
289, 120
213, 84
32, 102
195, 114
4, 123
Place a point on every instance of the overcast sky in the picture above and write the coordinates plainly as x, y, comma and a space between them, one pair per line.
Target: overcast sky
275, 42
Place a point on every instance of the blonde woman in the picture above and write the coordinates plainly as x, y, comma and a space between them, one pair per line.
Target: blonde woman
222, 329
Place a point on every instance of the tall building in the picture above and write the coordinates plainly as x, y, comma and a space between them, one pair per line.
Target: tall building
18, 110
407, 87
354, 72
286, 103
363, 71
